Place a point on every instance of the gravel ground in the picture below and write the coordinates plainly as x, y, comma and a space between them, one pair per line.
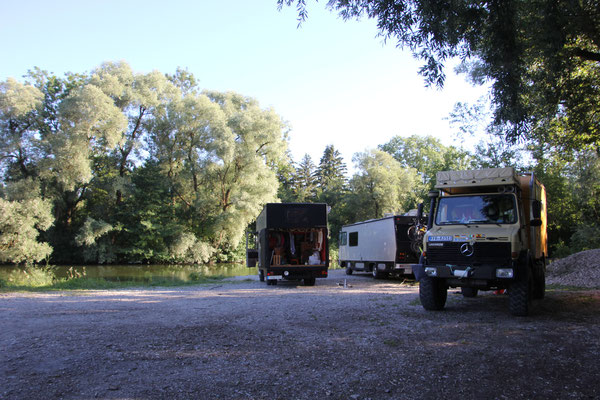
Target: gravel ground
245, 340
580, 269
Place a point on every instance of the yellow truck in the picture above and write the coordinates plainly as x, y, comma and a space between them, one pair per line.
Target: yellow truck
486, 231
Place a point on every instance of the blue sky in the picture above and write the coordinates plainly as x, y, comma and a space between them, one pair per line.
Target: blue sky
334, 82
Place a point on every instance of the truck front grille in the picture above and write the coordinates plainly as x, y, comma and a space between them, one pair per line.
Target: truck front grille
483, 253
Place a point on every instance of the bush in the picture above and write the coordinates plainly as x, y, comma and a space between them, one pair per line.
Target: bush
586, 237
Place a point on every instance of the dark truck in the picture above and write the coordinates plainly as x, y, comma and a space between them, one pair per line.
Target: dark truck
290, 243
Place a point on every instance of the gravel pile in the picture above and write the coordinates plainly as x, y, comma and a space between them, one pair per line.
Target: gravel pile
580, 269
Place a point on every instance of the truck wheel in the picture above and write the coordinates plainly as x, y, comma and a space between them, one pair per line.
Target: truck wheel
469, 291
261, 275
539, 284
519, 297
309, 281
433, 293
349, 270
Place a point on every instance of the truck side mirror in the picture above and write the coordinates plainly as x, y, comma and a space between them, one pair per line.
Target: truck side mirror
420, 211
536, 209
536, 222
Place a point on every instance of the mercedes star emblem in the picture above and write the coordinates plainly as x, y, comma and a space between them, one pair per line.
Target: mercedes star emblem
467, 249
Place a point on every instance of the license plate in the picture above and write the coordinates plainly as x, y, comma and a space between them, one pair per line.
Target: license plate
439, 239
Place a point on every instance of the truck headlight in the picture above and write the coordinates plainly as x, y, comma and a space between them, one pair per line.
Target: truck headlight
430, 271
504, 273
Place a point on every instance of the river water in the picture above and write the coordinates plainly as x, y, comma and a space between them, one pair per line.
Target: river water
181, 273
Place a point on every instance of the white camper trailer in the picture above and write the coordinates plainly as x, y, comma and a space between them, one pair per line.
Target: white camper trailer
383, 246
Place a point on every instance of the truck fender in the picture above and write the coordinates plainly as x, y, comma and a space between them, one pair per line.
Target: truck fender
419, 269
522, 265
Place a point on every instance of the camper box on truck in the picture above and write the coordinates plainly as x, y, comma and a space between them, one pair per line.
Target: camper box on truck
486, 231
383, 246
290, 243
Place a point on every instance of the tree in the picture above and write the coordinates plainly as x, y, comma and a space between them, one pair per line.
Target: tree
23, 214
381, 185
491, 152
137, 96
427, 155
305, 180
18, 106
220, 152
332, 188
542, 57
331, 173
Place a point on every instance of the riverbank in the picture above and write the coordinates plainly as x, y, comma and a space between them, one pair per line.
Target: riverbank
348, 337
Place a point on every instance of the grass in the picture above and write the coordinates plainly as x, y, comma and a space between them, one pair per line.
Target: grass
43, 279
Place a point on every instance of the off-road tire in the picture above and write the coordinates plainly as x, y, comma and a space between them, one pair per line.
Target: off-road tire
469, 291
432, 293
349, 270
539, 283
519, 297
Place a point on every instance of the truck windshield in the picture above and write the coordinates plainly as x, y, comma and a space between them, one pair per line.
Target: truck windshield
479, 209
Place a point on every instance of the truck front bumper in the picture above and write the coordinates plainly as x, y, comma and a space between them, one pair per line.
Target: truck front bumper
457, 273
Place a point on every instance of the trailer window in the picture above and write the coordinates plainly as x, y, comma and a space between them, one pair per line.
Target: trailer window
353, 239
343, 238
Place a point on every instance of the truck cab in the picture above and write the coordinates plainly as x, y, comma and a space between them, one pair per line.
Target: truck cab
486, 231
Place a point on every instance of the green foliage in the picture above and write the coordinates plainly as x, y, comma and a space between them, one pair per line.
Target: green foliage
332, 189
427, 155
23, 213
381, 185
585, 237
541, 57
331, 173
305, 180
138, 167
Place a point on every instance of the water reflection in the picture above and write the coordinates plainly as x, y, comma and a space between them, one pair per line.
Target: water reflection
183, 273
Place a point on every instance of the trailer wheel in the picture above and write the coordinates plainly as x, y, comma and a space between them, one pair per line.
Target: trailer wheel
520, 294
432, 293
309, 281
349, 270
261, 275
469, 291
377, 274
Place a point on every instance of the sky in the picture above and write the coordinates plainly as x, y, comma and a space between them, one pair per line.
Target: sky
332, 81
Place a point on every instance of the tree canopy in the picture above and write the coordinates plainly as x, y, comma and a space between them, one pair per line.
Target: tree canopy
121, 166
542, 57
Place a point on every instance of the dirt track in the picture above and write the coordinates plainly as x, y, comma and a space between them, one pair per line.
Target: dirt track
245, 340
